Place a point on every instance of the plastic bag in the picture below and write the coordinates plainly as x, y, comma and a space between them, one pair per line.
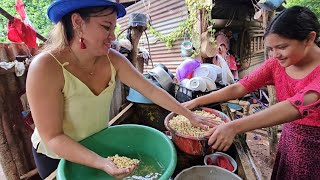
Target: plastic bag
186, 68
226, 74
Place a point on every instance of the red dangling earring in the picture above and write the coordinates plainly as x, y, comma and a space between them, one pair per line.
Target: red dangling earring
82, 44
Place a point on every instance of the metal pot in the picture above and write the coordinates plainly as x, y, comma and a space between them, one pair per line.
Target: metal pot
166, 69
163, 78
215, 156
189, 144
206, 173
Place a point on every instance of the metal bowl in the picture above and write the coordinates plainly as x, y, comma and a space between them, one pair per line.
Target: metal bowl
189, 144
214, 157
206, 173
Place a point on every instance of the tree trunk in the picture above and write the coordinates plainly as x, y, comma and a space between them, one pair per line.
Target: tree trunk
272, 131
15, 149
136, 35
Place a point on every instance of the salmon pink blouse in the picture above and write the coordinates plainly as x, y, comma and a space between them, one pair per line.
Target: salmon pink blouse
288, 88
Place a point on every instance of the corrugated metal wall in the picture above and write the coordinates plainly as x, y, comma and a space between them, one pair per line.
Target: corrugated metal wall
9, 51
166, 15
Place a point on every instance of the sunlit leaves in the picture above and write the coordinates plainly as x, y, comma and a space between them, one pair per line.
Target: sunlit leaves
314, 5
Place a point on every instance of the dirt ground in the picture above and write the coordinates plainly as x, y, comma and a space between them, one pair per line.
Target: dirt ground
259, 145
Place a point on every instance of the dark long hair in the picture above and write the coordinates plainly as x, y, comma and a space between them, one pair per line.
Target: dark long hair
295, 23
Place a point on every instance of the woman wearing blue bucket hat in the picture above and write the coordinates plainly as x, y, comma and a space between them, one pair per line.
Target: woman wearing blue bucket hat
71, 81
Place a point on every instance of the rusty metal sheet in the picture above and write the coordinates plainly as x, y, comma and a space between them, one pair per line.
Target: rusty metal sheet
166, 15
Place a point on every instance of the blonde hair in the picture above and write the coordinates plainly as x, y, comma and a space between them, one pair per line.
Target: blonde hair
57, 39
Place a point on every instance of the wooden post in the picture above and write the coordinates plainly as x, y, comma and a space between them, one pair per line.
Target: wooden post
272, 131
136, 35
16, 156
248, 169
15, 144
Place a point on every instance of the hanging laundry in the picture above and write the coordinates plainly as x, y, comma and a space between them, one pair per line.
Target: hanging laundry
223, 41
145, 55
19, 67
20, 9
20, 32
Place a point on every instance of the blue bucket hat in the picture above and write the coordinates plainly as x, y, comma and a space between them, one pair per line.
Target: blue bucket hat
59, 8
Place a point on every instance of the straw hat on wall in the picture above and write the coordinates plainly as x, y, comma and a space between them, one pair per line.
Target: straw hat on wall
207, 48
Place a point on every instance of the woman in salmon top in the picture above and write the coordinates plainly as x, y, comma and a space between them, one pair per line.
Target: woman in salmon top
292, 40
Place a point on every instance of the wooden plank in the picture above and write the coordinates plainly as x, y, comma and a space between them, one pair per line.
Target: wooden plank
256, 31
272, 131
6, 14
121, 113
29, 174
258, 51
257, 35
126, 1
249, 170
52, 176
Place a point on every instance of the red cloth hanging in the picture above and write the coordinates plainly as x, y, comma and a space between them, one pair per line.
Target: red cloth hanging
20, 9
20, 32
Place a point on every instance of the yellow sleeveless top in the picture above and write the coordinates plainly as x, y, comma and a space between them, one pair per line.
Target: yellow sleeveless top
84, 112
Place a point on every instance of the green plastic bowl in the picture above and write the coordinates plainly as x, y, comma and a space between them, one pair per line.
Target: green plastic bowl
126, 140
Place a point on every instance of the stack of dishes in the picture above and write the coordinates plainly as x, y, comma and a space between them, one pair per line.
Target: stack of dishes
207, 70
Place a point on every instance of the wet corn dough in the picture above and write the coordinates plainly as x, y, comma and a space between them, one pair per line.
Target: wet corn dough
123, 162
183, 126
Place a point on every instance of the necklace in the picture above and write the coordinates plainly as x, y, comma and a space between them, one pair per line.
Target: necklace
77, 61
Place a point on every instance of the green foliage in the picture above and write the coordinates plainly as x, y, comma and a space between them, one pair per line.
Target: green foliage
188, 26
37, 14
172, 37
314, 5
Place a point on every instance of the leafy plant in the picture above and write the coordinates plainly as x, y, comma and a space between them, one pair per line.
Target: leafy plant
314, 5
187, 27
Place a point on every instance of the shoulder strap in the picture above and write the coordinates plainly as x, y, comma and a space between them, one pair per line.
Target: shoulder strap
112, 67
62, 65
109, 58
